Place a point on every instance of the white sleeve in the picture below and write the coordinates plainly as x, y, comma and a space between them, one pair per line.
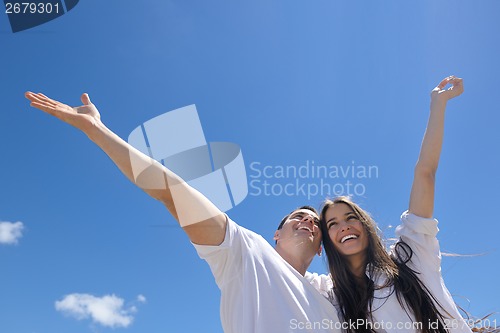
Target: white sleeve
420, 234
321, 282
225, 260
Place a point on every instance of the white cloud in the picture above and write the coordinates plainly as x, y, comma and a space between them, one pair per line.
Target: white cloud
10, 232
108, 310
141, 299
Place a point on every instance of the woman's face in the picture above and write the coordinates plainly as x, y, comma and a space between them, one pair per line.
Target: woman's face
346, 232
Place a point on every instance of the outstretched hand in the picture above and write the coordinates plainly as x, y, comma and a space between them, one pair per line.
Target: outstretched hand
443, 95
82, 117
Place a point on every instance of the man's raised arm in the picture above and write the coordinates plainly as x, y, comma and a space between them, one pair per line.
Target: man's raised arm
203, 222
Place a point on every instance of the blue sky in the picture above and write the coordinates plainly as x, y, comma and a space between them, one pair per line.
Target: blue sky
329, 83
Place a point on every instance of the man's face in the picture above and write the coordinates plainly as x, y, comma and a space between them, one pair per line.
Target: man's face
302, 224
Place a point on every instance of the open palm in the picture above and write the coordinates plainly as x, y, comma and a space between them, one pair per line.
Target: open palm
81, 117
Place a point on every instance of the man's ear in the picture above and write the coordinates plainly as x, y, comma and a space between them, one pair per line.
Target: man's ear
276, 235
320, 250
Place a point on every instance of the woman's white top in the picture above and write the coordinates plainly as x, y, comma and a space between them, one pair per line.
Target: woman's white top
420, 234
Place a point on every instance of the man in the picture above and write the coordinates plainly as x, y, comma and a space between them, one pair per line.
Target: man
262, 290
266, 290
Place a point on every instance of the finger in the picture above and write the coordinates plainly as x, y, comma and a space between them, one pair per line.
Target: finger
29, 95
48, 99
86, 99
457, 81
43, 107
40, 98
444, 82
34, 98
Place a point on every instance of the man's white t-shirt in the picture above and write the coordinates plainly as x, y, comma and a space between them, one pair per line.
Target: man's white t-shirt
261, 292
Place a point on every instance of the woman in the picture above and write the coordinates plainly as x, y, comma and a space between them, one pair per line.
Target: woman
400, 291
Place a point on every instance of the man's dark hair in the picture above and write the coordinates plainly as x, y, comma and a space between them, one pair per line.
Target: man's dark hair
312, 209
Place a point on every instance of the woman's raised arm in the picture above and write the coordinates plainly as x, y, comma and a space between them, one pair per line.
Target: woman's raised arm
422, 191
